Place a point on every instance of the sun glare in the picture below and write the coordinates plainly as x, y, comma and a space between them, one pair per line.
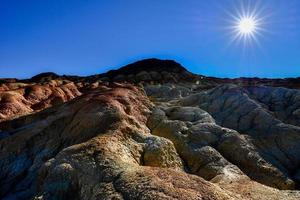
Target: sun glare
246, 26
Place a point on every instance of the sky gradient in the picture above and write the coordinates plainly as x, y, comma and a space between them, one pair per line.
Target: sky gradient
78, 37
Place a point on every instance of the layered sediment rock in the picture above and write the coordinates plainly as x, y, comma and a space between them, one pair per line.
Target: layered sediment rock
18, 99
161, 132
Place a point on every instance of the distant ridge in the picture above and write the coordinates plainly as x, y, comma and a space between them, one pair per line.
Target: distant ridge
160, 71
148, 65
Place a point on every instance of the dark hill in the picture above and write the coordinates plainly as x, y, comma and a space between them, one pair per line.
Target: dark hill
148, 65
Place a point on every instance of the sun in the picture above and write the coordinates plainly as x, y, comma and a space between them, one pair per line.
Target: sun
247, 26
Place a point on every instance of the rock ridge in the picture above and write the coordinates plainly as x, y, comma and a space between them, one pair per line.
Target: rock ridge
143, 135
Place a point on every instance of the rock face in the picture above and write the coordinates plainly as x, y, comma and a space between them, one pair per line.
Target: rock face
17, 99
151, 130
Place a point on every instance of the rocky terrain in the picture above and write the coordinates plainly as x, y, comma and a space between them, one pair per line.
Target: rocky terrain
149, 130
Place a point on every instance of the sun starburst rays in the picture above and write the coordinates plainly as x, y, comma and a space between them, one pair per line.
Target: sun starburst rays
246, 24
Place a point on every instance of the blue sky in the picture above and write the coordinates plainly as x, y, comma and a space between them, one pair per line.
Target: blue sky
84, 37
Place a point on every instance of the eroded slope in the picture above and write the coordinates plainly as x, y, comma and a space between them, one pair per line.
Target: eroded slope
165, 135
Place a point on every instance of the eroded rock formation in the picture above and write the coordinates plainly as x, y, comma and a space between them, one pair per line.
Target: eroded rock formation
151, 130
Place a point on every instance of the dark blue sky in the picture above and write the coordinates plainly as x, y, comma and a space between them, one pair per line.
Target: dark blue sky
85, 37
